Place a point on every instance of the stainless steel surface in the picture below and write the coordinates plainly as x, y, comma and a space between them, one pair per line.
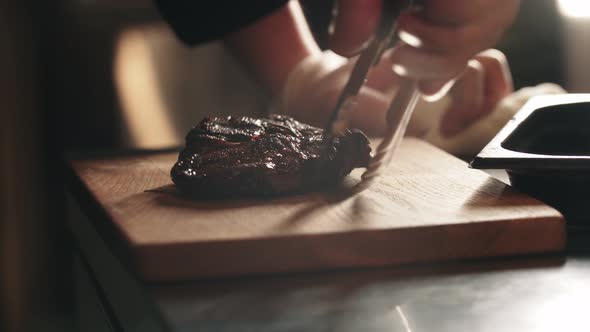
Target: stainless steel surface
529, 294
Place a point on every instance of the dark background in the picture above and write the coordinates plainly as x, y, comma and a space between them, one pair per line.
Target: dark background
57, 94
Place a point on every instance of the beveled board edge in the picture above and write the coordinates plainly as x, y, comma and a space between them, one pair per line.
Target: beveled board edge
351, 250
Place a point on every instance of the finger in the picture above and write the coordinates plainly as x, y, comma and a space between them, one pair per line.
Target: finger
433, 90
368, 112
459, 12
353, 24
411, 62
490, 73
497, 84
467, 97
498, 80
466, 39
382, 77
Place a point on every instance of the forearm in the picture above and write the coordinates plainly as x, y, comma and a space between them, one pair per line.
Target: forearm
273, 46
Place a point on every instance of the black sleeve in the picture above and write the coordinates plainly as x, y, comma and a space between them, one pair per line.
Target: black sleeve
198, 21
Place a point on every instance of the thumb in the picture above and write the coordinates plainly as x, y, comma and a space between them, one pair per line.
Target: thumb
466, 100
485, 81
354, 23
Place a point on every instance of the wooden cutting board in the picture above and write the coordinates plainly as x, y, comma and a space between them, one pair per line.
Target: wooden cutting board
429, 206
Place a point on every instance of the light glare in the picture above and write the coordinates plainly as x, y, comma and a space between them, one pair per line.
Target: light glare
574, 8
410, 39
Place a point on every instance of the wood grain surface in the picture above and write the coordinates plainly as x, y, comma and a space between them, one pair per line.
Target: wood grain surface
429, 206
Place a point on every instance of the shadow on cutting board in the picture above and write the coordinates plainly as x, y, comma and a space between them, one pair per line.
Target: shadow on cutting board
311, 204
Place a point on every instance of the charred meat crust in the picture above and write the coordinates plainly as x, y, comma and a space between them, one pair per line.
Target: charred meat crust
244, 156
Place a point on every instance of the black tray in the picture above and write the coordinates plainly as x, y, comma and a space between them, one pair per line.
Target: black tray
545, 150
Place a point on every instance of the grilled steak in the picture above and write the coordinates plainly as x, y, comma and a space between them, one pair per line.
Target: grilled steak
244, 156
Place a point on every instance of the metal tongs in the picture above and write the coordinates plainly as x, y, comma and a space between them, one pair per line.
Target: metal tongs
401, 107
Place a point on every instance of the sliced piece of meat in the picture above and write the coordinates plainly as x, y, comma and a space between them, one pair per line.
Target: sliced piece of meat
244, 156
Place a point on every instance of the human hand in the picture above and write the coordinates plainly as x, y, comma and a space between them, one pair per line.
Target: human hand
313, 87
315, 84
437, 40
474, 137
476, 108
